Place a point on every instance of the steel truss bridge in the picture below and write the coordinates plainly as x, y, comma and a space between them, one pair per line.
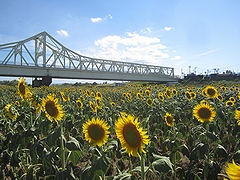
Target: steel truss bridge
42, 56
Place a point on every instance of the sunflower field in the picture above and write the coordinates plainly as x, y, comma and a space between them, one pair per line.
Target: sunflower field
137, 131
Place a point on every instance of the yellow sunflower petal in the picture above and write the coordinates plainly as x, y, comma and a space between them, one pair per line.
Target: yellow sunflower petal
131, 136
96, 131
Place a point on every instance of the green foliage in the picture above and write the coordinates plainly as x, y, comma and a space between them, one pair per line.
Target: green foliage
32, 147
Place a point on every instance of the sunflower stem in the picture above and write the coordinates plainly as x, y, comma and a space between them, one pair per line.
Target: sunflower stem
62, 146
142, 163
175, 157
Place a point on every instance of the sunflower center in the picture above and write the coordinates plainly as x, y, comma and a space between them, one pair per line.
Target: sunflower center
79, 104
51, 109
22, 88
204, 113
96, 132
131, 135
149, 101
229, 103
169, 119
168, 93
188, 95
211, 92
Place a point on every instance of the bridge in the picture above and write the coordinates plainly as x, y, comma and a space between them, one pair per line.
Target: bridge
43, 57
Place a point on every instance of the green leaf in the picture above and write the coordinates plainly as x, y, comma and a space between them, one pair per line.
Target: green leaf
212, 136
236, 156
26, 138
185, 150
113, 145
66, 174
101, 163
75, 156
138, 169
73, 144
198, 151
175, 157
44, 127
196, 177
53, 137
15, 159
221, 152
5, 158
125, 176
162, 164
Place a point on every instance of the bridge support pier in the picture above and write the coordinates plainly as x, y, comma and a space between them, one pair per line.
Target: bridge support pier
45, 81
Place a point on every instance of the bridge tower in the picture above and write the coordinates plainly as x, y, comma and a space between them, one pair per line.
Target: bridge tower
43, 58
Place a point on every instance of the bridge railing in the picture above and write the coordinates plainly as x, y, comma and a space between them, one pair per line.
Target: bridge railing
43, 51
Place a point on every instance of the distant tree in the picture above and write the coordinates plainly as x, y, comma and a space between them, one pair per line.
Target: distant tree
77, 84
9, 83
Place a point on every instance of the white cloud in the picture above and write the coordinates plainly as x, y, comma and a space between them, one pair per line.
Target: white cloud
110, 16
205, 53
96, 20
176, 57
131, 48
168, 28
146, 30
99, 19
63, 33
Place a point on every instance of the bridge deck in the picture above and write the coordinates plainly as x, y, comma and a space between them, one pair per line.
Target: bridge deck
41, 55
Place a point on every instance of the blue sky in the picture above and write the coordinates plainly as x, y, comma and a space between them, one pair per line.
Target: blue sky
203, 34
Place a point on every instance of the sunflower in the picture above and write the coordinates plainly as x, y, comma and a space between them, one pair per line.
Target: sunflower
82, 98
149, 101
233, 170
210, 91
229, 103
160, 96
188, 95
223, 88
79, 103
64, 97
169, 119
232, 99
204, 112
148, 92
237, 115
168, 93
98, 94
203, 101
193, 94
92, 106
87, 92
11, 112
132, 137
129, 96
96, 131
98, 102
53, 110
124, 95
23, 91
139, 95
17, 103
174, 91
36, 104
219, 97
113, 104
231, 89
